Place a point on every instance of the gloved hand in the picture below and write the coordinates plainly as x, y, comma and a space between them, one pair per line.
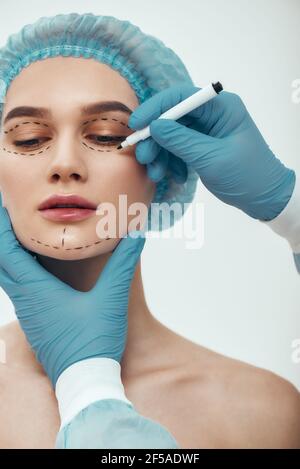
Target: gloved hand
63, 325
220, 141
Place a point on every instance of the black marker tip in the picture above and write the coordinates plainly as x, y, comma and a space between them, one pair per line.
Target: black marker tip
217, 87
119, 147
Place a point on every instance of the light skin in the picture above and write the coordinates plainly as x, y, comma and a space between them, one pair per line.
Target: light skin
203, 398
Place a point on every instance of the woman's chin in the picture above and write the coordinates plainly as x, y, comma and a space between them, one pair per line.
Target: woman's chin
77, 251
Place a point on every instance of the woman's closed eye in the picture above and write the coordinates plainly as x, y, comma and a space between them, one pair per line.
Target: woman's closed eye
30, 142
104, 140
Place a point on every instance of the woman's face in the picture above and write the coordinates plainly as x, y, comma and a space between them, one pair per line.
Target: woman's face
65, 152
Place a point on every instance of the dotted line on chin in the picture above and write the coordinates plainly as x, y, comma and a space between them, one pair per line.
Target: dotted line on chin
69, 249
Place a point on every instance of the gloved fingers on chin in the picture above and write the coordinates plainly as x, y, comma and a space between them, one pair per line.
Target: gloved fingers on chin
117, 274
6, 282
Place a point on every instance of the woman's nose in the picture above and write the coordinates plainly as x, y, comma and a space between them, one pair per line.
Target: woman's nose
68, 163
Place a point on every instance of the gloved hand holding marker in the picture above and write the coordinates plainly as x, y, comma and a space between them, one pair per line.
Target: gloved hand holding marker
220, 141
189, 104
157, 170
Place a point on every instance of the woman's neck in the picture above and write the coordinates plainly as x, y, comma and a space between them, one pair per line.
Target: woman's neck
143, 328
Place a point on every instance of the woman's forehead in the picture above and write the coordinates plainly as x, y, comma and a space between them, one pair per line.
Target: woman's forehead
68, 79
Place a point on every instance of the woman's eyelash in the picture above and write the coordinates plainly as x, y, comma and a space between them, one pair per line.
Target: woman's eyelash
26, 143
107, 139
97, 139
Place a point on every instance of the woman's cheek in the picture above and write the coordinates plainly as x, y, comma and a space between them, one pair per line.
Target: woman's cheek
127, 184
17, 178
16, 195
131, 178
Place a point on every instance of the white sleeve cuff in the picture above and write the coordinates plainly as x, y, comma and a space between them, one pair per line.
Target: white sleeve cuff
287, 223
85, 382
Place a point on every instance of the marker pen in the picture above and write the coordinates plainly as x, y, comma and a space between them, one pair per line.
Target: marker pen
182, 108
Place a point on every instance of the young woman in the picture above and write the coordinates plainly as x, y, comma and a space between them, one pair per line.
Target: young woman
205, 400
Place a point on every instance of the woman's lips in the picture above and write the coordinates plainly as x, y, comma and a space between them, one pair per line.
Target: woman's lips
67, 214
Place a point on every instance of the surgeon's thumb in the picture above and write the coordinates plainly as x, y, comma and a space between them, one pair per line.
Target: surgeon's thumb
192, 146
120, 267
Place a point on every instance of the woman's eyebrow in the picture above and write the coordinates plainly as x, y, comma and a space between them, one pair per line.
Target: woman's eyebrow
105, 106
41, 112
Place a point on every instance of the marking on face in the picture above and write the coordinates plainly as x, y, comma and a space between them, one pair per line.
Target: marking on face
69, 249
63, 243
49, 146
26, 154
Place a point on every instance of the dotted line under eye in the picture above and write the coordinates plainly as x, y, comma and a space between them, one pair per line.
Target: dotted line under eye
25, 154
41, 123
103, 119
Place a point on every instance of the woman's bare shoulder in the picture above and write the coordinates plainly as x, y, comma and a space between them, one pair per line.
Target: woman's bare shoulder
6, 328
6, 338
255, 407
26, 391
10, 331
12, 339
269, 404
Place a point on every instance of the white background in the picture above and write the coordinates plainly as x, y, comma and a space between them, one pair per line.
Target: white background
240, 293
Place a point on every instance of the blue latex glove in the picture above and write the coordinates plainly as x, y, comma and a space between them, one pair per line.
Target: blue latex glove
64, 325
220, 141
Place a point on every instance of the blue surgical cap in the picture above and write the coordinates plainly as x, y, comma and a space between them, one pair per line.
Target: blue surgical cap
143, 60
